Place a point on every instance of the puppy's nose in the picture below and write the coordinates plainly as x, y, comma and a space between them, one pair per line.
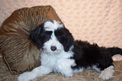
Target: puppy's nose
53, 48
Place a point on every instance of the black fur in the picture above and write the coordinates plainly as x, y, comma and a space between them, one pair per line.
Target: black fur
114, 50
39, 36
65, 38
86, 55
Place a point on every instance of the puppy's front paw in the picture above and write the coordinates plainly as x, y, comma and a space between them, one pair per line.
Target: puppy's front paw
24, 77
68, 75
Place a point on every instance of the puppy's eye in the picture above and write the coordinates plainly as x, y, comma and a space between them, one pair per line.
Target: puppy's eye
48, 32
58, 33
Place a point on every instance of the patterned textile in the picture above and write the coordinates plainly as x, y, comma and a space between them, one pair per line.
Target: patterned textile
88, 75
20, 54
98, 21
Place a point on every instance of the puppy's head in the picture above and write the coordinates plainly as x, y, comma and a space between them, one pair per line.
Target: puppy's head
52, 37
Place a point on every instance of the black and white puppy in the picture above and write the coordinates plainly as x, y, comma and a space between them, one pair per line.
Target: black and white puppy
59, 53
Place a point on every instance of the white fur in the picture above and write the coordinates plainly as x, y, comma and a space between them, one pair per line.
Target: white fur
37, 72
51, 42
57, 61
49, 26
94, 67
78, 70
107, 73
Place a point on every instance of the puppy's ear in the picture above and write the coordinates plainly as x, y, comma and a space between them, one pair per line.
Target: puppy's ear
68, 41
65, 38
35, 36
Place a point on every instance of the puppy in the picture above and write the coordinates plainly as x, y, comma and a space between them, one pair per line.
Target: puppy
59, 53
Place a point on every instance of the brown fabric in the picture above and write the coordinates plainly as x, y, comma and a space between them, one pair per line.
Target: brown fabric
20, 54
88, 75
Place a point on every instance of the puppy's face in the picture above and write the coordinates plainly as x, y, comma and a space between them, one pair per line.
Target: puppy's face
52, 37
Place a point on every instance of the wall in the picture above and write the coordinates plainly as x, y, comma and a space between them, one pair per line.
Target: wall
98, 21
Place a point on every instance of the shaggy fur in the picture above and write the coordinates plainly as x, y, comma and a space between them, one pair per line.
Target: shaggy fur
59, 53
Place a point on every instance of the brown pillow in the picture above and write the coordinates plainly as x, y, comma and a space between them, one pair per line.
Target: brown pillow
19, 53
